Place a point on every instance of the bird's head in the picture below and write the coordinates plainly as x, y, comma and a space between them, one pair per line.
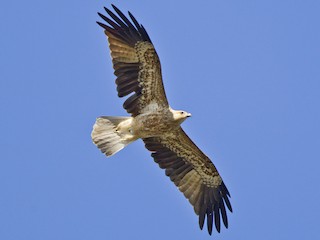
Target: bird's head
180, 116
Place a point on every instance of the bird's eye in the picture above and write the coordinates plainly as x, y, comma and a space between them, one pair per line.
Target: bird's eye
181, 112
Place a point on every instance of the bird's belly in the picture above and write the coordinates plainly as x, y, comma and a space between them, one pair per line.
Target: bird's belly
152, 125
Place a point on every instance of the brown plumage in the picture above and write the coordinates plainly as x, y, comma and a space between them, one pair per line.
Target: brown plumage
138, 70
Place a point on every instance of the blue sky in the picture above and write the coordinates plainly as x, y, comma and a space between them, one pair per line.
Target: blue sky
248, 71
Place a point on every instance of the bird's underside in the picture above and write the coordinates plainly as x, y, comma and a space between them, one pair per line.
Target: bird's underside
138, 71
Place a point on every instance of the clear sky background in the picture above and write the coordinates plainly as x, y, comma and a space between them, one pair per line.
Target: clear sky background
248, 71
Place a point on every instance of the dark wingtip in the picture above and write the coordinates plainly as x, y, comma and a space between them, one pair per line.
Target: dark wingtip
223, 213
201, 222
106, 9
130, 14
100, 24
227, 202
209, 222
100, 15
145, 34
103, 26
114, 7
225, 189
217, 218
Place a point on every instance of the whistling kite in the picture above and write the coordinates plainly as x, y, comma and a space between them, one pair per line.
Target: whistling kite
137, 67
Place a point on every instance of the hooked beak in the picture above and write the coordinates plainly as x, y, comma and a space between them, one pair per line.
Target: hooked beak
189, 115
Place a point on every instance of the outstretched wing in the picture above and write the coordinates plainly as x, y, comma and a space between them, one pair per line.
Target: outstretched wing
194, 174
135, 62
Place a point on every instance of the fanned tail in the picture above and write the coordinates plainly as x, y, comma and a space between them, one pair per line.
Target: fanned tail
107, 136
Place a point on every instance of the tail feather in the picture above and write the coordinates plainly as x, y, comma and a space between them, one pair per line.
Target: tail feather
106, 136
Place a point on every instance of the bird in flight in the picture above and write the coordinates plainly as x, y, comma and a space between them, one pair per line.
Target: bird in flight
138, 77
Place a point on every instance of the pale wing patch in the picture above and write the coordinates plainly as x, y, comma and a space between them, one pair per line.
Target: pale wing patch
151, 107
120, 51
